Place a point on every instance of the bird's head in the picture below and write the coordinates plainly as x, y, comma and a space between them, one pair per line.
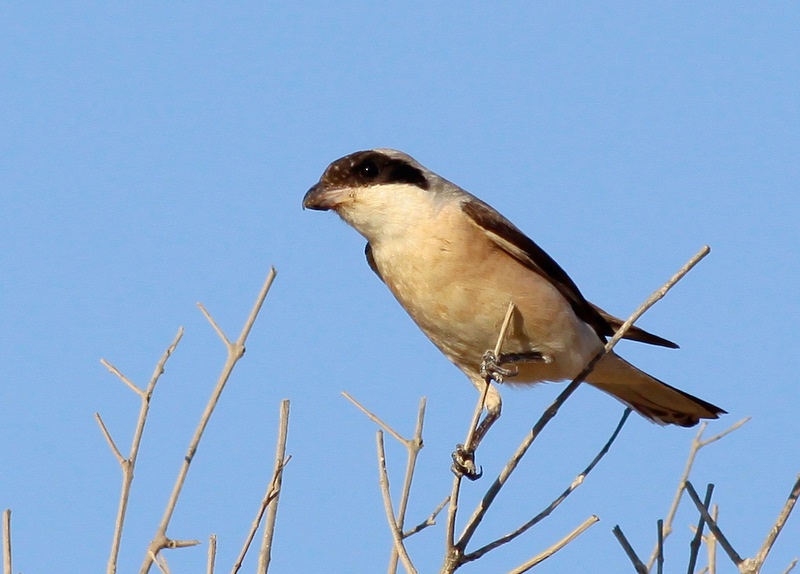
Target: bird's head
373, 190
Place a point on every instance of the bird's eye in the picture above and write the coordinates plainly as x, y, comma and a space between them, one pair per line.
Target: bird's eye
368, 169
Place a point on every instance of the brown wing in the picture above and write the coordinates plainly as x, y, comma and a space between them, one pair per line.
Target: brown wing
519, 246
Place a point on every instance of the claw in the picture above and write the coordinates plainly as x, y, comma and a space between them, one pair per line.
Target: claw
492, 369
464, 463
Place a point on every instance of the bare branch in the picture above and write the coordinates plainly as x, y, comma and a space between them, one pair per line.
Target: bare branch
212, 554
235, 352
217, 329
783, 516
430, 521
161, 563
724, 433
7, 541
109, 440
791, 566
711, 543
182, 543
374, 418
626, 546
697, 444
397, 535
660, 546
694, 546
274, 491
413, 447
262, 295
122, 377
454, 554
128, 464
712, 525
557, 546
501, 338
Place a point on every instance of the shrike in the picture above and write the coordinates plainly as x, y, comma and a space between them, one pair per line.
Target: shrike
454, 264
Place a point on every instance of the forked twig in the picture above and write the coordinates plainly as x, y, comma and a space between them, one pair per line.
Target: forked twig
273, 490
697, 444
235, 351
128, 464
397, 534
745, 565
413, 447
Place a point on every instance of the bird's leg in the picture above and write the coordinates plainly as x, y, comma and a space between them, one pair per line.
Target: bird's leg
491, 369
464, 457
464, 454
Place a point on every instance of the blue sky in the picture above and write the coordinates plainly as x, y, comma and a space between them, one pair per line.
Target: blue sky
156, 155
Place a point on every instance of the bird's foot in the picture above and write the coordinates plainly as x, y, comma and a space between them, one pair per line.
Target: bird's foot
492, 368
464, 463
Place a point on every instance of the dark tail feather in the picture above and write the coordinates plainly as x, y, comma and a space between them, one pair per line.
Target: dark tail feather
648, 396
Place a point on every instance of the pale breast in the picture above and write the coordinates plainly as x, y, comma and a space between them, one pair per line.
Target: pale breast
456, 285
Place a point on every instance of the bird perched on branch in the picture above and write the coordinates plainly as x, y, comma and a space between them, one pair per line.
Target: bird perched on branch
455, 264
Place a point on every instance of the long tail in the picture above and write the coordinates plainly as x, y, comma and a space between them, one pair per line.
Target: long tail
651, 398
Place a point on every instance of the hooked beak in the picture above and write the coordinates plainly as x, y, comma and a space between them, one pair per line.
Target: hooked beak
322, 199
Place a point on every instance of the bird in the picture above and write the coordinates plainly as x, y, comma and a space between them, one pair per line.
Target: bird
455, 264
